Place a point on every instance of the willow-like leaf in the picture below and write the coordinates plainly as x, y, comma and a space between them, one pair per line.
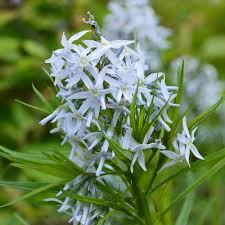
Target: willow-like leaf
205, 212
32, 106
95, 201
59, 167
196, 165
183, 217
133, 111
176, 125
26, 186
123, 154
107, 216
20, 219
55, 170
200, 118
49, 76
148, 125
34, 192
43, 99
207, 174
180, 90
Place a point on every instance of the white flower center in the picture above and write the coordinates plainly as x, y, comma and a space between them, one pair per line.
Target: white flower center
123, 87
104, 44
95, 92
126, 52
78, 116
84, 61
140, 82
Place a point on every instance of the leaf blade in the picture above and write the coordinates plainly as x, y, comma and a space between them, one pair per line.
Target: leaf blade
199, 181
32, 193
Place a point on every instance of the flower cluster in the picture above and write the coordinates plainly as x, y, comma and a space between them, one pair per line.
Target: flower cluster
97, 83
183, 145
133, 19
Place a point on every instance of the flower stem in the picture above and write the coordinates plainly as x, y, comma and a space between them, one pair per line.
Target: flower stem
141, 202
154, 175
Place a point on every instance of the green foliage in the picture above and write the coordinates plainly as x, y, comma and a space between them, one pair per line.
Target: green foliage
140, 120
180, 90
32, 106
43, 99
199, 119
28, 33
206, 175
107, 216
26, 186
34, 192
20, 219
183, 217
218, 155
55, 164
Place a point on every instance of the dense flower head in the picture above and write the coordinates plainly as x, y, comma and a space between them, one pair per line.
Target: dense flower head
137, 20
97, 77
98, 83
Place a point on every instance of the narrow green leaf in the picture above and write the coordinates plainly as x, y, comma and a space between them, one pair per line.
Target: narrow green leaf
32, 193
133, 110
148, 125
26, 186
69, 163
32, 106
183, 217
123, 154
176, 125
205, 212
20, 156
180, 90
42, 98
104, 202
107, 216
196, 165
50, 169
141, 119
20, 219
47, 73
197, 120
209, 173
62, 168
95, 201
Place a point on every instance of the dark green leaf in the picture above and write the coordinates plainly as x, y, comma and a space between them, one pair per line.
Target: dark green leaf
206, 175
43, 99
107, 216
26, 186
32, 106
180, 90
32, 193
196, 165
20, 219
183, 217
197, 120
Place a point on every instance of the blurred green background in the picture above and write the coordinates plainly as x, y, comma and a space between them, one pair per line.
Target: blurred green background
31, 29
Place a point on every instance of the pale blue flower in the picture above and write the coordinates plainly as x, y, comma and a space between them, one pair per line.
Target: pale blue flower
183, 146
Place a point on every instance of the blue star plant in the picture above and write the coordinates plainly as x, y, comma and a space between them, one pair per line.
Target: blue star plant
123, 126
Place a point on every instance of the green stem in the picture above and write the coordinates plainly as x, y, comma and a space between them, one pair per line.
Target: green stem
150, 158
154, 175
141, 202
